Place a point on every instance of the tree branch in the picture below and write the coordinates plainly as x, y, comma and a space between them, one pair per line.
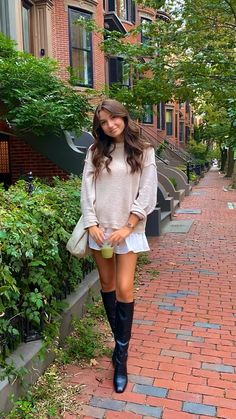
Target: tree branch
222, 25
232, 9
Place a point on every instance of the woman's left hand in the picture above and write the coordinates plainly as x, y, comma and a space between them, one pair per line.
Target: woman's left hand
119, 235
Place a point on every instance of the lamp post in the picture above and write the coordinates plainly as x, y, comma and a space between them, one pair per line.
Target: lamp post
188, 171
30, 186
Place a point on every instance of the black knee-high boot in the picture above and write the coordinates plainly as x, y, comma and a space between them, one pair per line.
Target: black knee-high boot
123, 325
109, 302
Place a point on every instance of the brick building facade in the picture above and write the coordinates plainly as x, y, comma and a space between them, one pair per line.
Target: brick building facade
45, 27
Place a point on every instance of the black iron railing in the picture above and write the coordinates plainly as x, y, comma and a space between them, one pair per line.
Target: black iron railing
166, 144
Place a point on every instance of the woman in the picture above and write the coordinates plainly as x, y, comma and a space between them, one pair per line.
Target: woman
119, 190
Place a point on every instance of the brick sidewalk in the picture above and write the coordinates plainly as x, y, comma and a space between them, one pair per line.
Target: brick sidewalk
182, 358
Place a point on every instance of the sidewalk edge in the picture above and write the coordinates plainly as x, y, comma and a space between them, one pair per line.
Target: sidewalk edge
26, 355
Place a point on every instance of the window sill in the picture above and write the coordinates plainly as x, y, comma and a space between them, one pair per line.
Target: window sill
128, 22
47, 2
81, 4
81, 88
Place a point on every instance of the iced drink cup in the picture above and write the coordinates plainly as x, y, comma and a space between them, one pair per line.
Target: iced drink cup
107, 251
107, 248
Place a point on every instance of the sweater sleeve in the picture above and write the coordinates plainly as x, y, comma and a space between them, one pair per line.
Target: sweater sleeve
88, 193
146, 200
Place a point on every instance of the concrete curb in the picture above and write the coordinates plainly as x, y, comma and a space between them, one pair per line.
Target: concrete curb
26, 355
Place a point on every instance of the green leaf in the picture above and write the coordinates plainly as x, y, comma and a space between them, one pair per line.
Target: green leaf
37, 263
3, 234
3, 289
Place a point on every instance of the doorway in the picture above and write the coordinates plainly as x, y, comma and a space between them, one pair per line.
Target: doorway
5, 173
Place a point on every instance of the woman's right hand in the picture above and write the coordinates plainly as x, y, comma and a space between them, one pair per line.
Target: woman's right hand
97, 234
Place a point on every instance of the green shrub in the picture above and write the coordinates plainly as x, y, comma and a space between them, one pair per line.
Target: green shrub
160, 149
174, 182
192, 177
183, 168
32, 97
35, 266
198, 151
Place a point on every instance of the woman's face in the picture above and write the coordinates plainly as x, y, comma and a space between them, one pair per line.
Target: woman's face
112, 125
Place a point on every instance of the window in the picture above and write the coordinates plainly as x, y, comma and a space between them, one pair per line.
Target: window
117, 71
148, 114
144, 37
125, 9
4, 17
181, 132
169, 122
80, 49
26, 27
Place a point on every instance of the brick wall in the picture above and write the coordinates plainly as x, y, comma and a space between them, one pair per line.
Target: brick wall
3, 126
60, 41
24, 159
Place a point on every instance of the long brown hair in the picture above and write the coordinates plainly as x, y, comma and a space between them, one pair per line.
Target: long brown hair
104, 145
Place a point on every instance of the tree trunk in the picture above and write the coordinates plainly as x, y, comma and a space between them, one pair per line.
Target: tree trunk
226, 162
223, 153
230, 167
233, 184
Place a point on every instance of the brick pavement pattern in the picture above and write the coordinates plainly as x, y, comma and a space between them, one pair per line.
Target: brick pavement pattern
182, 358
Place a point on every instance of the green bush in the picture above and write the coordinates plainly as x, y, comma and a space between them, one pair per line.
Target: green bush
35, 266
192, 177
198, 151
32, 97
174, 182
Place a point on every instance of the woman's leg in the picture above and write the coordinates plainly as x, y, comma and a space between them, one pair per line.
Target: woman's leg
106, 270
107, 274
125, 269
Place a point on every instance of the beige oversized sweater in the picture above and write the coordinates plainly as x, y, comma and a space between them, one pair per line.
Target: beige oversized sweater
109, 199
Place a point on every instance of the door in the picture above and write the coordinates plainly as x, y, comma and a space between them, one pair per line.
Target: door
5, 174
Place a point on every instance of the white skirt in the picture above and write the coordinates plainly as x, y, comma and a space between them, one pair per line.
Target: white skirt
135, 242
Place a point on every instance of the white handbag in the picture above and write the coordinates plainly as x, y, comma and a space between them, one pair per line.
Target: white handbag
77, 244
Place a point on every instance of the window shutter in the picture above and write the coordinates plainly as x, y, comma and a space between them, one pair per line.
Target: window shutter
115, 65
119, 70
112, 70
133, 11
187, 131
4, 17
187, 106
181, 132
163, 116
111, 6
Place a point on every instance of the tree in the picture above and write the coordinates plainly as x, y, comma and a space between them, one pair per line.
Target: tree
211, 29
213, 130
33, 99
190, 56
198, 150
